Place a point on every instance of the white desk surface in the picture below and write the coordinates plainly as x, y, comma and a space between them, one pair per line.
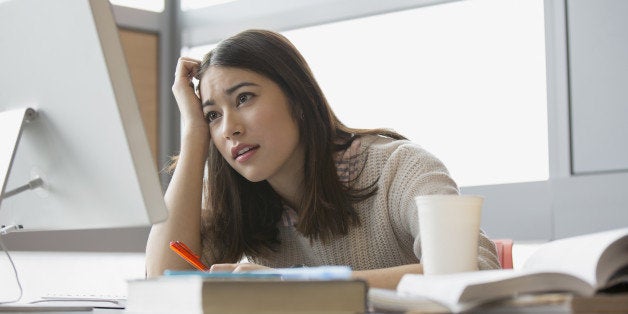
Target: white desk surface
69, 273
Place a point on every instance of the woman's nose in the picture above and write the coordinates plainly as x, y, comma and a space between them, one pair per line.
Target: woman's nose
232, 125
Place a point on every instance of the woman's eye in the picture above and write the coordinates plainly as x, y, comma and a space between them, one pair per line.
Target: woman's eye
242, 98
211, 116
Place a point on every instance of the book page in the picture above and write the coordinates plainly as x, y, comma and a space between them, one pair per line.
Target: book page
391, 300
613, 265
577, 256
448, 289
465, 290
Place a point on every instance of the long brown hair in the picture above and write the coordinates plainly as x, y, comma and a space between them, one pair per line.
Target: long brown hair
240, 217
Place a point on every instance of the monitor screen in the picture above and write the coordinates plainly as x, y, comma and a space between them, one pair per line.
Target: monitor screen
87, 142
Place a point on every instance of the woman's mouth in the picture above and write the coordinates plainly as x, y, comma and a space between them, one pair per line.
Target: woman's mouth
243, 153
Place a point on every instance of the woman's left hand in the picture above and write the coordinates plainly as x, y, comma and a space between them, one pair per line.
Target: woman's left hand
236, 268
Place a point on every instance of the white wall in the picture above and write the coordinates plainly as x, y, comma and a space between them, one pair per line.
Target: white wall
598, 77
587, 73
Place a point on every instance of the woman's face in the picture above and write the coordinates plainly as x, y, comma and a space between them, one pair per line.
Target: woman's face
251, 123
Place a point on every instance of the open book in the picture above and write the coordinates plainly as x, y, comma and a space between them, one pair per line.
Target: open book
582, 265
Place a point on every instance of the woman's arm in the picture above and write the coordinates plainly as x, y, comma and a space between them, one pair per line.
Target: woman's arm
184, 193
387, 278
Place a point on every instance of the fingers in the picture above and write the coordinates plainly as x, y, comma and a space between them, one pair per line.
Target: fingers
187, 60
223, 267
236, 268
244, 267
187, 69
188, 100
190, 59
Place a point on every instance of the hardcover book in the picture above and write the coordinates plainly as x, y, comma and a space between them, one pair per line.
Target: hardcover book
245, 294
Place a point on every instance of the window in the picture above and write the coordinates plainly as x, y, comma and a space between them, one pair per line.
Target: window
148, 5
465, 80
197, 4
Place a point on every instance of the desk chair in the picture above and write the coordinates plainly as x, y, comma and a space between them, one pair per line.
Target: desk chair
504, 252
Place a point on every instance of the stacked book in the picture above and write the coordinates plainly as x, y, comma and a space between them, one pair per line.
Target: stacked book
302, 290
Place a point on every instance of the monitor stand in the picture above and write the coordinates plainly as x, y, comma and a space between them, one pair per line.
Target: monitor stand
11, 124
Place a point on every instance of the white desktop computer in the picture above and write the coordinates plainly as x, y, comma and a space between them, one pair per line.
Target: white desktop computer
73, 150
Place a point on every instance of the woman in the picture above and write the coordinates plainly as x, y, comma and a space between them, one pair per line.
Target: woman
283, 181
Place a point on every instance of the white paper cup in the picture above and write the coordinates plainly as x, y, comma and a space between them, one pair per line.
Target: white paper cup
449, 227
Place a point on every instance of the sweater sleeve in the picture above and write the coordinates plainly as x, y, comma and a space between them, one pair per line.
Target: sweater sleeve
411, 171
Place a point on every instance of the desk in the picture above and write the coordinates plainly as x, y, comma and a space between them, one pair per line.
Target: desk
539, 310
105, 274
69, 273
94, 311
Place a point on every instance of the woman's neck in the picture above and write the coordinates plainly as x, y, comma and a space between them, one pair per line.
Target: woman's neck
290, 193
288, 182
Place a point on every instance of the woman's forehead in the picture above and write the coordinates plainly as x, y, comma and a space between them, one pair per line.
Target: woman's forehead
218, 80
216, 76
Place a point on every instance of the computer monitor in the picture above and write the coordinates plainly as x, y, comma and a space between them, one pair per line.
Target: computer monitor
85, 139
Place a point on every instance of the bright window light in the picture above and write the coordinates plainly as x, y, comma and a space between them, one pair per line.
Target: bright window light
465, 80
148, 5
197, 4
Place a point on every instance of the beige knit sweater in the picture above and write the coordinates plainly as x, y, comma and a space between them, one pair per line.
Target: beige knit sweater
389, 232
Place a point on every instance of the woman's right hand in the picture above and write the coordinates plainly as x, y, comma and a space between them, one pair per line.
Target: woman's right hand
185, 190
187, 99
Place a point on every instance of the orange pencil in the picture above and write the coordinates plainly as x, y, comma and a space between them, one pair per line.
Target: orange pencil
187, 254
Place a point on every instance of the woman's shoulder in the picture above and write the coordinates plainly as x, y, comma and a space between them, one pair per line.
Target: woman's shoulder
351, 160
368, 146
404, 156
374, 153
388, 147
407, 168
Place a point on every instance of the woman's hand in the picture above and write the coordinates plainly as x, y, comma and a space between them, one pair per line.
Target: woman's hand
387, 278
236, 268
187, 99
